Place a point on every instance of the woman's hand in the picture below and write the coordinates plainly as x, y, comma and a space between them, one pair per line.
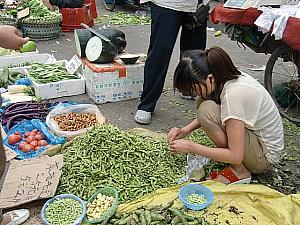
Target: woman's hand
181, 146
11, 38
176, 133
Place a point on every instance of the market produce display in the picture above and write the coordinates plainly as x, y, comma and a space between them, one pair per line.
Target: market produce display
157, 215
48, 73
63, 211
106, 156
17, 112
39, 12
99, 206
8, 77
75, 121
34, 140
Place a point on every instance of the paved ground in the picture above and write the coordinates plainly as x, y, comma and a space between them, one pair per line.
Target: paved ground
171, 110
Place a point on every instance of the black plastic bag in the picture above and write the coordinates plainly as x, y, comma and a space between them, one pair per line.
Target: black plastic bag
198, 18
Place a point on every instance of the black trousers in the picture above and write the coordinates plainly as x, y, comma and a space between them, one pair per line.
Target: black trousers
67, 3
165, 26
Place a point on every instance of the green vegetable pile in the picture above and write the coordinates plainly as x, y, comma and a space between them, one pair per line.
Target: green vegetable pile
196, 199
160, 215
63, 211
47, 73
39, 12
120, 18
106, 156
8, 77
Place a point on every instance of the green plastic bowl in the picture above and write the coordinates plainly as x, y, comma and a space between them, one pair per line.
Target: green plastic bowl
129, 58
108, 191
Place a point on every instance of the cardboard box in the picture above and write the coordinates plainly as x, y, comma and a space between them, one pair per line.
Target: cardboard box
113, 82
61, 88
21, 60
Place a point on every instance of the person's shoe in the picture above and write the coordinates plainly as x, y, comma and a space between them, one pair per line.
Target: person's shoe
18, 216
142, 117
189, 97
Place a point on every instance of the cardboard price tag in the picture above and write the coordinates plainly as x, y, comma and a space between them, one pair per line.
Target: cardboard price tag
23, 13
73, 65
29, 180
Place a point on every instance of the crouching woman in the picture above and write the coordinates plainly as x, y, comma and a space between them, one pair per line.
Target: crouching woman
236, 112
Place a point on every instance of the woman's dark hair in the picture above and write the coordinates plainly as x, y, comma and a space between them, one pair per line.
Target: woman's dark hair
196, 65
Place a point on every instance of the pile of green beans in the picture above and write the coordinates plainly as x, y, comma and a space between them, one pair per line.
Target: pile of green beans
47, 73
106, 156
63, 211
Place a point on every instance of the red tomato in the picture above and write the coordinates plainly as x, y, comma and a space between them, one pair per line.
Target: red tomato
32, 133
27, 148
34, 143
13, 139
35, 130
37, 148
39, 137
42, 143
26, 134
29, 139
21, 145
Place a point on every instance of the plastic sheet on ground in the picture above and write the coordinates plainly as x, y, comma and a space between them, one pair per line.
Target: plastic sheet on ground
246, 204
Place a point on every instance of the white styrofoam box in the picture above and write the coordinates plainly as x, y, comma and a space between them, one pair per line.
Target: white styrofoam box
20, 59
113, 82
61, 88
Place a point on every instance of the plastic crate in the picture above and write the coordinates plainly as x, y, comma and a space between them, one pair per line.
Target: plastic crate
73, 17
94, 7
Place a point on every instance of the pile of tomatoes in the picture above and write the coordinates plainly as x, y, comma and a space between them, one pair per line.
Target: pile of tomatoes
34, 140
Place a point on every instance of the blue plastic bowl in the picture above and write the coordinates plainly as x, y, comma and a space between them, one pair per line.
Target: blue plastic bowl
199, 189
78, 221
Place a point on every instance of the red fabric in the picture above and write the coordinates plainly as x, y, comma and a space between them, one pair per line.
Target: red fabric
234, 16
291, 35
227, 173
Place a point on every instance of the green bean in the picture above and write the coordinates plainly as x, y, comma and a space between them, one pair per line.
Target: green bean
47, 73
196, 199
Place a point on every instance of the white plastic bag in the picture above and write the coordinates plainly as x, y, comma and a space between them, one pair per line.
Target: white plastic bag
81, 108
195, 170
265, 21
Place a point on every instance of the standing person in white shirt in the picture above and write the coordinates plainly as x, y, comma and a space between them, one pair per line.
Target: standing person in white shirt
167, 17
237, 114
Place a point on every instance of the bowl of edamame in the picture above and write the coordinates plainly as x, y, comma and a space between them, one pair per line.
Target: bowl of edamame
195, 196
64, 209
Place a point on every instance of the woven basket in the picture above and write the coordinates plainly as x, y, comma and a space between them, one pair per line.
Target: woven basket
40, 30
8, 20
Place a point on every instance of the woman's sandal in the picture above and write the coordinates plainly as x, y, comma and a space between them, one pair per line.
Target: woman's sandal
229, 175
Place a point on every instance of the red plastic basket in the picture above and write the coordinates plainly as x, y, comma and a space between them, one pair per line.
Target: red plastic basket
94, 8
73, 17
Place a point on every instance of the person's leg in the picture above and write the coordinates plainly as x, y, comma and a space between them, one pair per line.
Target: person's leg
193, 39
165, 25
209, 117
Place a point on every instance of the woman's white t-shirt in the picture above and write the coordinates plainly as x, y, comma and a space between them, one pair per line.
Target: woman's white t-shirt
247, 100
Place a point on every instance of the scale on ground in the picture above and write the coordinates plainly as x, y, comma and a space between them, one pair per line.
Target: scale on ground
244, 4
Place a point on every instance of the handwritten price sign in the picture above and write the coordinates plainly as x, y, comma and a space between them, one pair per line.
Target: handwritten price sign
30, 180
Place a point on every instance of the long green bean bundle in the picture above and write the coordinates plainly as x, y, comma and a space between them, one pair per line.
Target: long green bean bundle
47, 73
133, 164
